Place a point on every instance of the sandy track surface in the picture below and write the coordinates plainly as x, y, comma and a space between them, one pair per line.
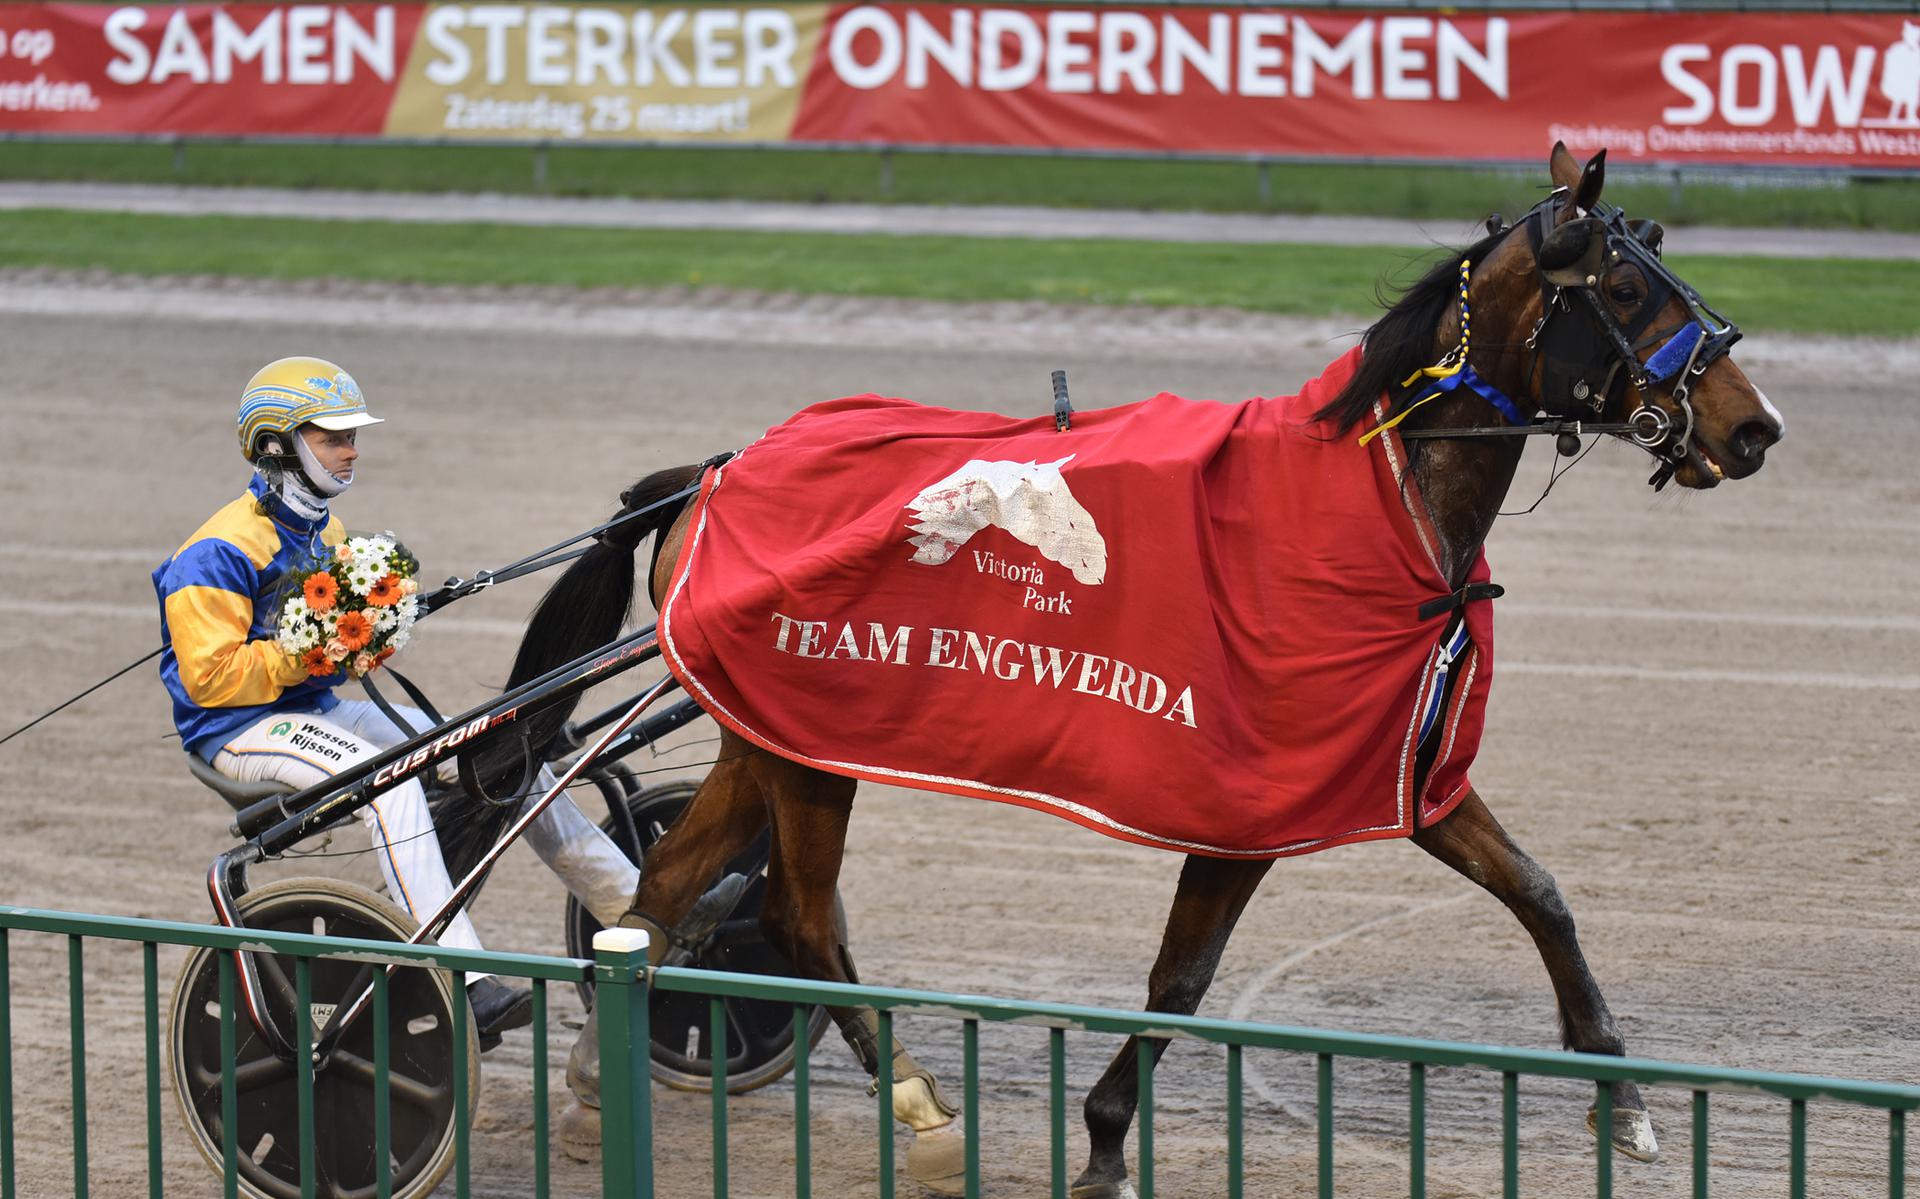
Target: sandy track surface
1703, 725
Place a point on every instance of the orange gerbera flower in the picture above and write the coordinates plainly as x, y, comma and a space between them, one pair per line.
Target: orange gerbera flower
354, 630
317, 662
320, 590
386, 591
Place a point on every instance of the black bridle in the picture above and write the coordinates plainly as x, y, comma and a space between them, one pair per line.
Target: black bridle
1580, 367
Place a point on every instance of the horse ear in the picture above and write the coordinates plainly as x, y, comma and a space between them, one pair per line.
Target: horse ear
1574, 254
1649, 234
1563, 167
1591, 179
1581, 183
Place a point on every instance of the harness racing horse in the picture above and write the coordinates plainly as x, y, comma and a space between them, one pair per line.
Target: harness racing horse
1573, 316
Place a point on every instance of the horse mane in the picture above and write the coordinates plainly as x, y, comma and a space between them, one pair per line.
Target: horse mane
1401, 341
583, 610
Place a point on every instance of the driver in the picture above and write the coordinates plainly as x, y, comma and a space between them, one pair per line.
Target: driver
254, 713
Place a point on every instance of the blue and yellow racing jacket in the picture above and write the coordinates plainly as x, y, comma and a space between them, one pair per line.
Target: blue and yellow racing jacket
220, 598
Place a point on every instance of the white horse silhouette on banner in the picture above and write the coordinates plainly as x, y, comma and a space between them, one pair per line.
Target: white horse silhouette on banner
1030, 500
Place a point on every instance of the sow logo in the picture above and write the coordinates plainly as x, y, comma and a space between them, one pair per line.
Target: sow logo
1751, 85
279, 731
1900, 78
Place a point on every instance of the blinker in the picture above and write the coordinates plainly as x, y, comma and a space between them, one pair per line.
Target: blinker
1574, 254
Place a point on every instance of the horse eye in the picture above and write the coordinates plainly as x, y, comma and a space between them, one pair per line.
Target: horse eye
1625, 293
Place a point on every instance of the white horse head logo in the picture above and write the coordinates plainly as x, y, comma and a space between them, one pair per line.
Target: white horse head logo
1029, 500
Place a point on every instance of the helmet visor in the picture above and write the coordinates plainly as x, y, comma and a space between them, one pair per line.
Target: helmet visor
343, 421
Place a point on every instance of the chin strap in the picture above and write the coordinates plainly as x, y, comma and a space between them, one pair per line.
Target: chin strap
287, 483
318, 477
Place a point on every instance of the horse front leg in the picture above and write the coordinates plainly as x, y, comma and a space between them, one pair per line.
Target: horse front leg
1471, 841
1206, 905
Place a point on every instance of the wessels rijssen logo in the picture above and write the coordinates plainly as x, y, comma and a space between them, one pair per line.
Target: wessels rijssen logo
311, 738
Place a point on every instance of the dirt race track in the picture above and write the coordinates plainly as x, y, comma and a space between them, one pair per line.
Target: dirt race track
1704, 723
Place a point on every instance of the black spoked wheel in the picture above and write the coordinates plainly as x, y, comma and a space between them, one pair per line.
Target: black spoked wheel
421, 1056
759, 1032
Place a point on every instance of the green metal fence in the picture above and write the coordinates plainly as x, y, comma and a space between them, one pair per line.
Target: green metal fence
1795, 1090
617, 975
624, 983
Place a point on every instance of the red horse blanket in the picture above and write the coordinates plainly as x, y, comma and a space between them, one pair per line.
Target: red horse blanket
1187, 624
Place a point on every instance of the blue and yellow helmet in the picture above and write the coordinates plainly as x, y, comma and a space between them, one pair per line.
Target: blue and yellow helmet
292, 392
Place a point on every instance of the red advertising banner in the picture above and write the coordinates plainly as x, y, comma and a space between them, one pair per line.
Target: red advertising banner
232, 69
1762, 89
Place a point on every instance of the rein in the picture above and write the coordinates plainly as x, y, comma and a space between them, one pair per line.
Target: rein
458, 588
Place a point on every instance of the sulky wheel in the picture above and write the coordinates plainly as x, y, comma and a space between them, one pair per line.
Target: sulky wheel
760, 1032
420, 1051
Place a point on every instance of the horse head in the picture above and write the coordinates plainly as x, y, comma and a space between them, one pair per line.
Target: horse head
1616, 337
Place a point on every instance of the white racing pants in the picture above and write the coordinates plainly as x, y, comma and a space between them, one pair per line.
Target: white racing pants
301, 749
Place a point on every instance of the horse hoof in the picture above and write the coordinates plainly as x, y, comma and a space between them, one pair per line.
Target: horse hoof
578, 1132
1632, 1133
937, 1159
1104, 1190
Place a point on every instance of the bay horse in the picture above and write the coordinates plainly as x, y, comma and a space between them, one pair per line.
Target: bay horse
1573, 316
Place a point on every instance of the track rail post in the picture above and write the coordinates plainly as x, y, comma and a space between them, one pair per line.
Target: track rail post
542, 1179
77, 1032
802, 1103
7, 1190
150, 995
1896, 1154
626, 1111
1057, 1109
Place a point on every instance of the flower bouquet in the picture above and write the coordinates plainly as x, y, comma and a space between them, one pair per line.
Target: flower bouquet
351, 611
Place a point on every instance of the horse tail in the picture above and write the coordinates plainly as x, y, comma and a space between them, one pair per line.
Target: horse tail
587, 605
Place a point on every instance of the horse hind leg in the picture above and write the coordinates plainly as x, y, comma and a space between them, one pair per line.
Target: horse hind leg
1471, 841
1206, 905
809, 812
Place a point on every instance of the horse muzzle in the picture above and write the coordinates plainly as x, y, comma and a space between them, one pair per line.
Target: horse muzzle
1738, 453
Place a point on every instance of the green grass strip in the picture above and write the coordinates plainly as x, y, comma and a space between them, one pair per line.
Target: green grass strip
1422, 193
1813, 296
